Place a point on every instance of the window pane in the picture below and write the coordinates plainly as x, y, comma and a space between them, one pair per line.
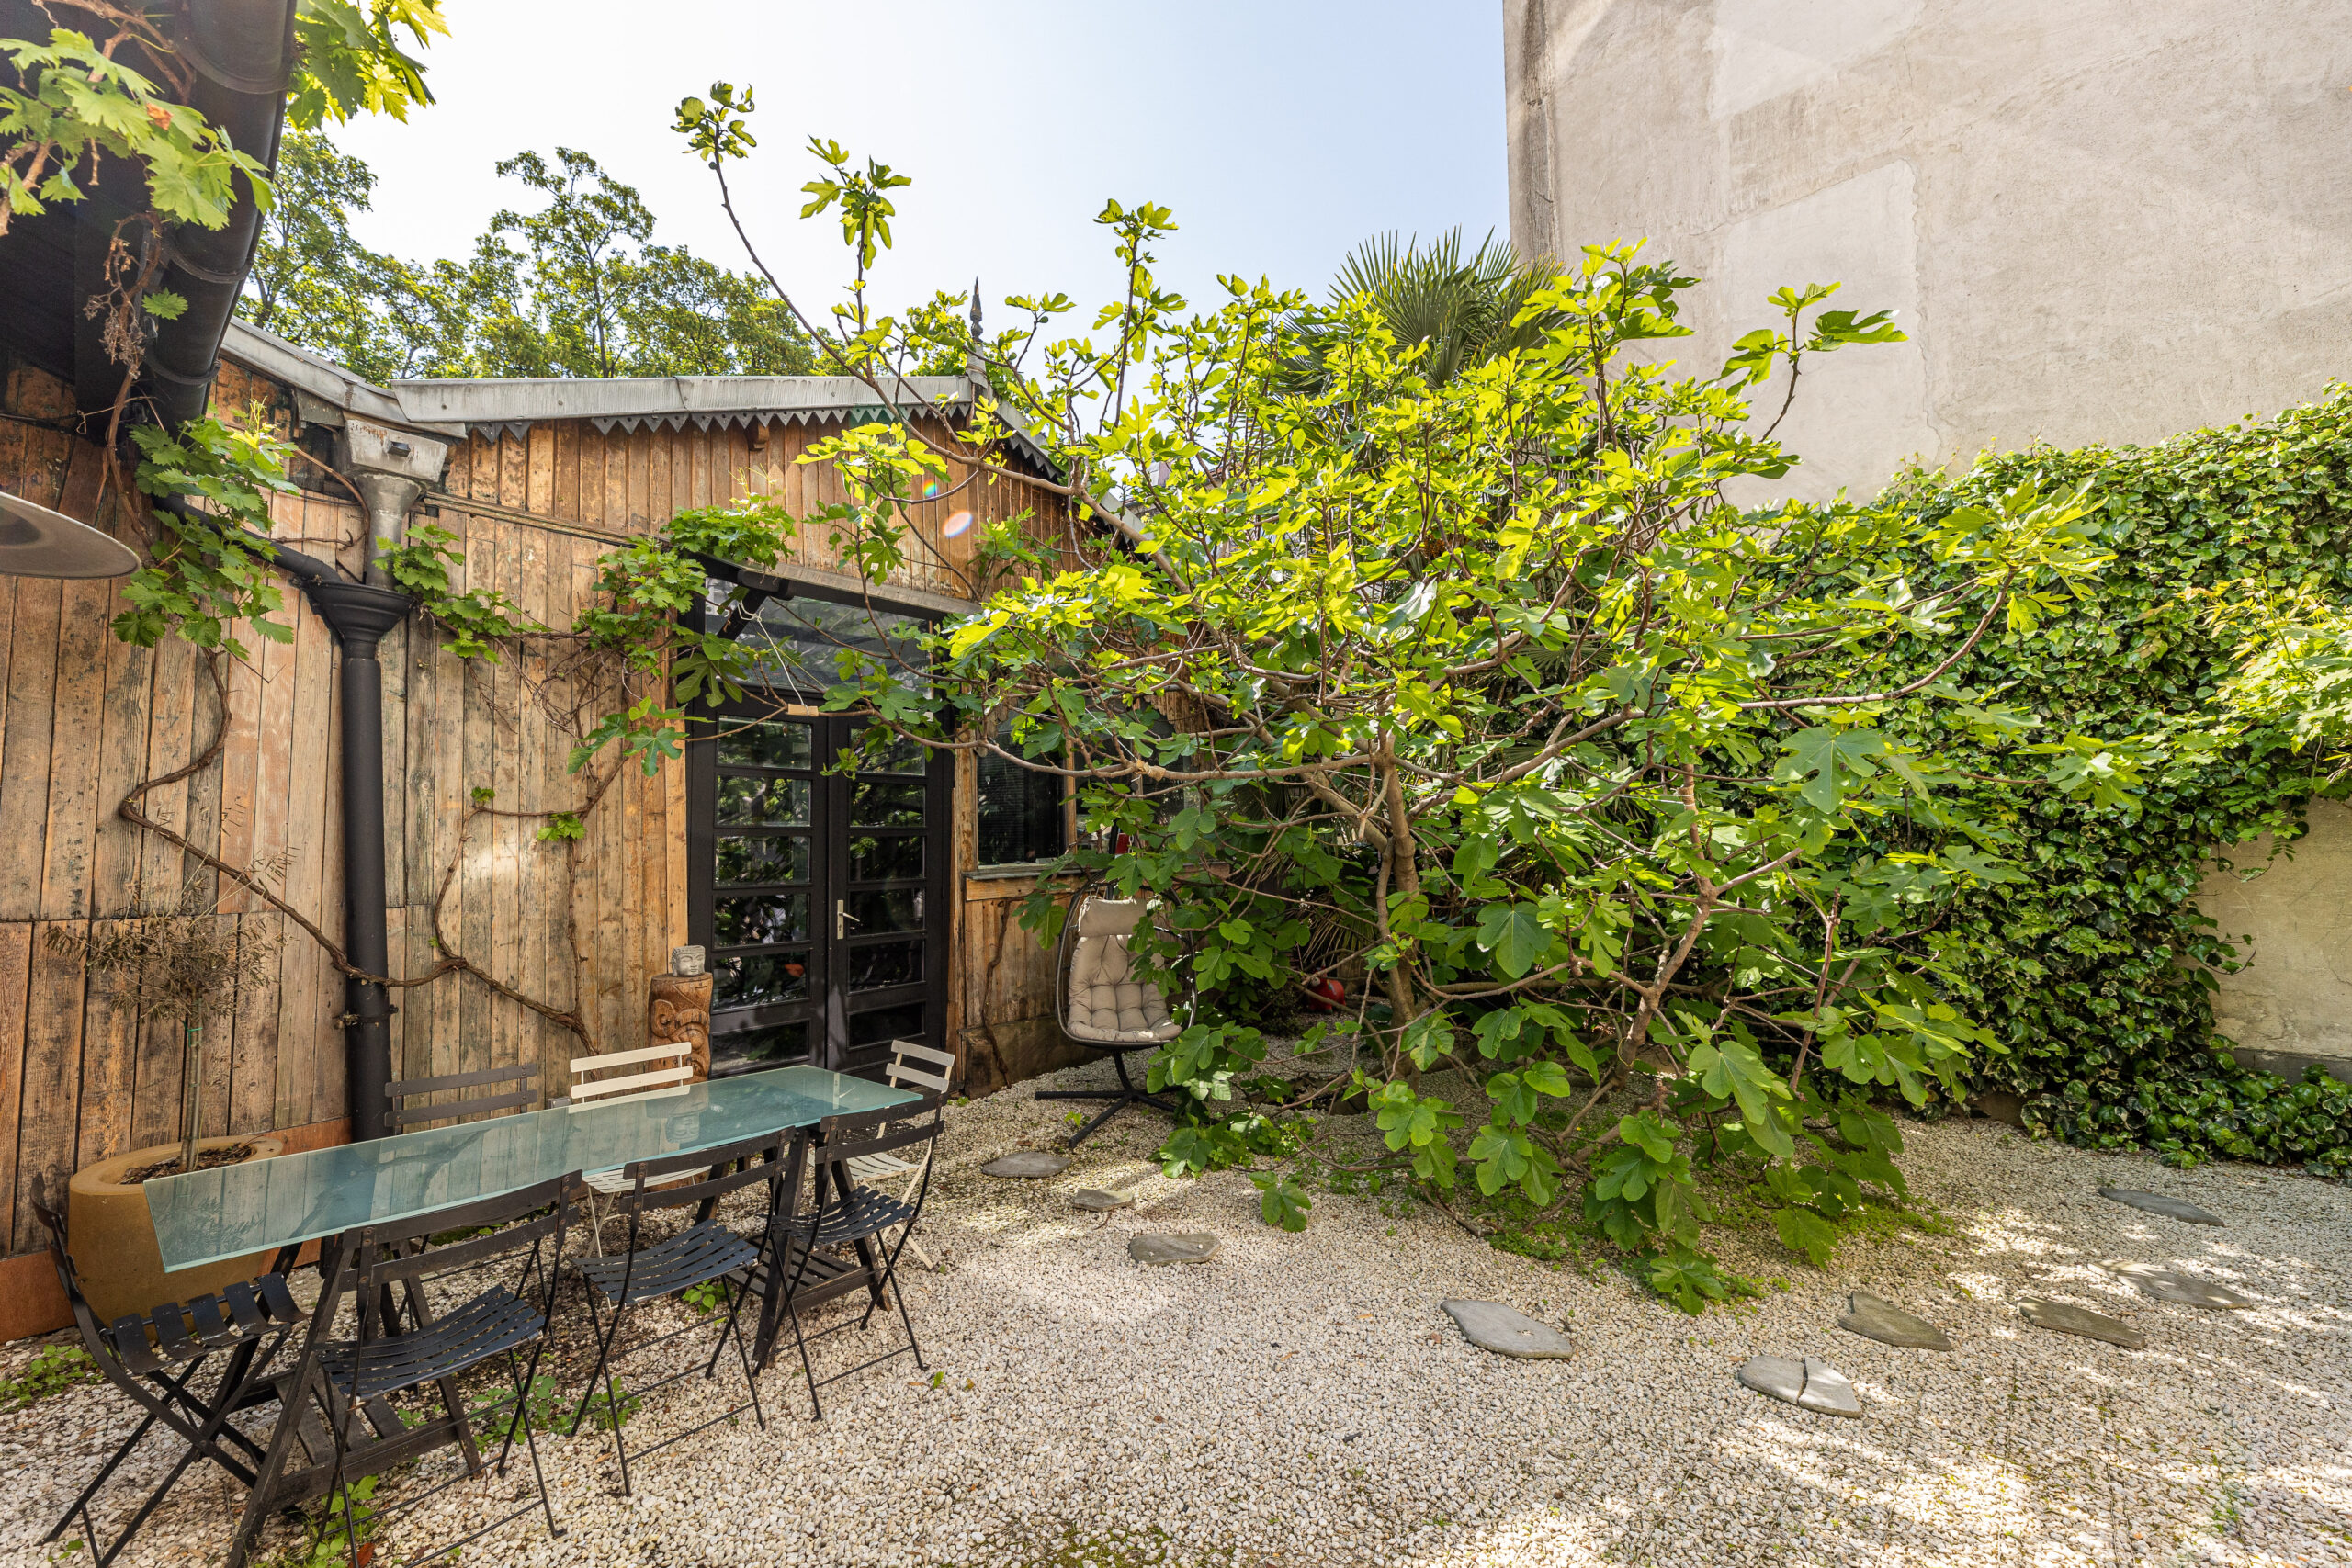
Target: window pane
1020, 812
765, 745
754, 979
888, 1023
877, 805
763, 858
771, 1046
884, 964
896, 910
760, 918
902, 756
893, 858
764, 803
797, 643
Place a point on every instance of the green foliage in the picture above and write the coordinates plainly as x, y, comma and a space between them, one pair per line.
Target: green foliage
351, 63
572, 287
78, 104
1281, 1202
56, 1369
426, 563
207, 569
1489, 693
2207, 676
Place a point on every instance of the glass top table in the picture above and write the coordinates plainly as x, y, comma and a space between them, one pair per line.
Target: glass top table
263, 1204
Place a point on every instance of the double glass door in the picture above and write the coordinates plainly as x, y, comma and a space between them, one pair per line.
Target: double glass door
820, 897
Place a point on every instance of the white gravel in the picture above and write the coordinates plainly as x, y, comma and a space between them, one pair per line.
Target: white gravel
1304, 1400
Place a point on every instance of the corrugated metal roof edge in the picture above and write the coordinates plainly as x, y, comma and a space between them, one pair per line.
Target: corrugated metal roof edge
491, 406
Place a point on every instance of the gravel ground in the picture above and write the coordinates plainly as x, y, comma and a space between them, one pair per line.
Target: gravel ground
1304, 1400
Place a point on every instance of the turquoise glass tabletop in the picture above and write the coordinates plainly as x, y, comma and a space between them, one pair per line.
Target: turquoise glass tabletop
267, 1203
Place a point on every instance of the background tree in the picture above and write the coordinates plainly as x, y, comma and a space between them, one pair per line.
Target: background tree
1464, 309
571, 287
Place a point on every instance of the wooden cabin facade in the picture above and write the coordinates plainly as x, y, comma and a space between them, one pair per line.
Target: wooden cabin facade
541, 479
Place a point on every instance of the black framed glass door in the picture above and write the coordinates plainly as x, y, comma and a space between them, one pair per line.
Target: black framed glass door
820, 896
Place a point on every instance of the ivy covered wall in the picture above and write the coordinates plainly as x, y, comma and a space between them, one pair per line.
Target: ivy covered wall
2098, 973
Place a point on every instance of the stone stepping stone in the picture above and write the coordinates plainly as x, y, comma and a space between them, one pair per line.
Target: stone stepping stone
1809, 1384
1490, 1325
2157, 1203
1094, 1201
1874, 1318
1194, 1246
1029, 1165
2184, 1290
2081, 1321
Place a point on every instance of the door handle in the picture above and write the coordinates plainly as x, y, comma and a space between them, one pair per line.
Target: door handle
843, 919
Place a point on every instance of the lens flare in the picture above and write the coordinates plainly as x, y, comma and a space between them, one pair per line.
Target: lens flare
957, 524
931, 490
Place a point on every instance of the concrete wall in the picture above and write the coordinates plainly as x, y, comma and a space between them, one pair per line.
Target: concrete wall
2101, 220
2291, 1005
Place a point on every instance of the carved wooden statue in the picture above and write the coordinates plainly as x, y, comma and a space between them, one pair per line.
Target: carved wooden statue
681, 1010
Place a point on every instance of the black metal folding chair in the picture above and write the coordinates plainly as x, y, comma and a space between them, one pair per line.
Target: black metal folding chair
498, 1322
248, 1323
704, 1252
493, 1099
852, 1217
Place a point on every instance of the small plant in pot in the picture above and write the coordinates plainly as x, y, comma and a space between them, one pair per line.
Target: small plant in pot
189, 964
184, 965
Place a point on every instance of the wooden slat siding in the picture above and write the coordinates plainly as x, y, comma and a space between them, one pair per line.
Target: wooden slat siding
133, 705
451, 699
49, 1112
309, 781
15, 975
25, 745
252, 1041
478, 1014
511, 872
625, 479
238, 772
79, 694
273, 800
151, 1081
538, 486
173, 730
638, 447
563, 496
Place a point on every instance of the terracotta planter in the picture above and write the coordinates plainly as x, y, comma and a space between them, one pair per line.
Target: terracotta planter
113, 1241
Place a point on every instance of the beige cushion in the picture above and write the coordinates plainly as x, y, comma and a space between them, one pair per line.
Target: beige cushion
1106, 1002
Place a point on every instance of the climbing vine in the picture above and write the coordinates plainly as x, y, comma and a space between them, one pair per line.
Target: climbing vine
2210, 667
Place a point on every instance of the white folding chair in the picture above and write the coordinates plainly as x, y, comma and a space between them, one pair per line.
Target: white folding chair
907, 1070
661, 1070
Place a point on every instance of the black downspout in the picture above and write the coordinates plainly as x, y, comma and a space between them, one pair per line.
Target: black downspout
360, 615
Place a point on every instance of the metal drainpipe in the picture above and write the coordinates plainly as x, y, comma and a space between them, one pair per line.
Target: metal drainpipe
361, 614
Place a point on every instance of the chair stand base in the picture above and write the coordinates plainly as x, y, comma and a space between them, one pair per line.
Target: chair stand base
1125, 1094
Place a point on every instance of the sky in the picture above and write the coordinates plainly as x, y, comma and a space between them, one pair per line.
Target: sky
1281, 132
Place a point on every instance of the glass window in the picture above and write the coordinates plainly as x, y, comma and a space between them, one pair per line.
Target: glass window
1020, 812
798, 641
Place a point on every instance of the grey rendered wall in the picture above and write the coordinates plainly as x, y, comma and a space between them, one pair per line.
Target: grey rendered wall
2099, 220
2291, 1005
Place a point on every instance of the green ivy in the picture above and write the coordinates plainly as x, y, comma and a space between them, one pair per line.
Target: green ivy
2097, 970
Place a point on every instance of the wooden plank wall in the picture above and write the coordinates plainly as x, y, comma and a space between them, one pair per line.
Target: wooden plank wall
86, 717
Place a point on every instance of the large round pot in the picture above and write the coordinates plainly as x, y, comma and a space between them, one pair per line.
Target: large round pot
113, 1241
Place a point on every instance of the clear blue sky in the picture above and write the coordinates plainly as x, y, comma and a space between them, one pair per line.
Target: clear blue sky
1282, 133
